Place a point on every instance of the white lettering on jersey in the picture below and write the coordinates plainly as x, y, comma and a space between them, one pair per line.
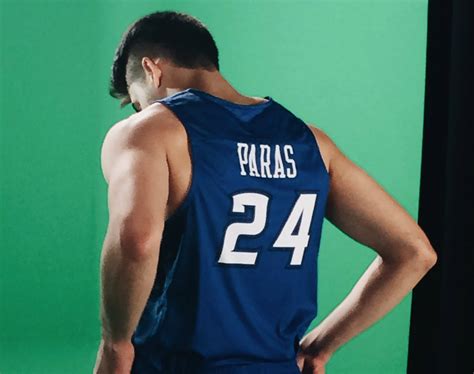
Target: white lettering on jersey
242, 151
290, 172
253, 162
266, 161
279, 170
265, 151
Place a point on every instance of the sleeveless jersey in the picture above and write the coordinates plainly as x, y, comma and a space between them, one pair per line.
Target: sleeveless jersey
236, 284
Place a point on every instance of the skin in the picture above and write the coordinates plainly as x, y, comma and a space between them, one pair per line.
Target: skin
147, 165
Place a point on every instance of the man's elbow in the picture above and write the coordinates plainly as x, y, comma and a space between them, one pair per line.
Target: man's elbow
416, 254
139, 244
423, 257
428, 258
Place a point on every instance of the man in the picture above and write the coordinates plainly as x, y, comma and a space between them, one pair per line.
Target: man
216, 203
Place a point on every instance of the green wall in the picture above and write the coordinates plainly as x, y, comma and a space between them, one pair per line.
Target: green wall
354, 68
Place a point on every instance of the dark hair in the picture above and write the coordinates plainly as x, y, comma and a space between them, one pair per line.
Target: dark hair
179, 37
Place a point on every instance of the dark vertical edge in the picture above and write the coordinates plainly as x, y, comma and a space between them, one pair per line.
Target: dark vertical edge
441, 317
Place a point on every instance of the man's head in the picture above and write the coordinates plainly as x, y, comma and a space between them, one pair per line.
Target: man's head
159, 52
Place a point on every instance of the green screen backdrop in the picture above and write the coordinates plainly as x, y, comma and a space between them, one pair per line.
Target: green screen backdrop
354, 68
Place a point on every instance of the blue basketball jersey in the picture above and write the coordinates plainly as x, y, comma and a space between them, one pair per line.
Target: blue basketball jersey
236, 285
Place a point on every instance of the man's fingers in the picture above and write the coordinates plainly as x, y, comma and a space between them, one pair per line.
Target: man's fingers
311, 366
300, 361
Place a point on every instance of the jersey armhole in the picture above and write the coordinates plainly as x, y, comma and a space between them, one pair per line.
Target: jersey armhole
318, 151
187, 198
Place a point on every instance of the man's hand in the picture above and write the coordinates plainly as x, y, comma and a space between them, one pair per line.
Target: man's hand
310, 362
114, 358
310, 359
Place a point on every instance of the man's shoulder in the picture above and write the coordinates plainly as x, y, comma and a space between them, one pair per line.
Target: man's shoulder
326, 146
151, 130
152, 124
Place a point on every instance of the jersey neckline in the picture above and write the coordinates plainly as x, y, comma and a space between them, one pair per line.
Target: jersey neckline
230, 103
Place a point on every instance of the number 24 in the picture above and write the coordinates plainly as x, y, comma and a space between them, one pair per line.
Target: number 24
302, 209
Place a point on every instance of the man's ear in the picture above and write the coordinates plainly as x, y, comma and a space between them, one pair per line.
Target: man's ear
126, 100
152, 70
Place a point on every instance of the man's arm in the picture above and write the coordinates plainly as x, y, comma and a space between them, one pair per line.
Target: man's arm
135, 166
363, 210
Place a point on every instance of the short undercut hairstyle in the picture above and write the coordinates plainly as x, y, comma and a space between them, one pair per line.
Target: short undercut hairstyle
175, 36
